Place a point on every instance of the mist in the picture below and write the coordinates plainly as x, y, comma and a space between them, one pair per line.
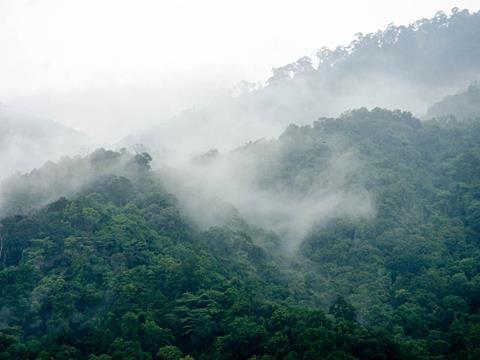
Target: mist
27, 142
213, 187
219, 146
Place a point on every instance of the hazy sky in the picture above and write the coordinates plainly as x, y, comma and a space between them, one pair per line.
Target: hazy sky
75, 61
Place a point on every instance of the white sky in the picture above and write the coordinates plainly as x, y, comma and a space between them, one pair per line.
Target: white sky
176, 49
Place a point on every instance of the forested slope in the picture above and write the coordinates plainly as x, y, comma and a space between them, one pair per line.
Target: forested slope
399, 67
116, 269
463, 106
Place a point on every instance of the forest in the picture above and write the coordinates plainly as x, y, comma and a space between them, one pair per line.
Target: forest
115, 270
330, 213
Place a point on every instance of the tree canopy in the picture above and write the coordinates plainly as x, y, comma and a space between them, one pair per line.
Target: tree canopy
113, 269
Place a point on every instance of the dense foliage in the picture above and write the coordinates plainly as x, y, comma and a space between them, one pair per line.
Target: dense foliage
114, 270
413, 270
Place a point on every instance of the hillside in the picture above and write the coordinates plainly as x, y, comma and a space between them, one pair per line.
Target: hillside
399, 67
463, 106
125, 267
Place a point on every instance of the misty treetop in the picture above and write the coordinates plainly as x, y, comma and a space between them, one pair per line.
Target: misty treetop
399, 67
436, 51
22, 193
116, 267
462, 106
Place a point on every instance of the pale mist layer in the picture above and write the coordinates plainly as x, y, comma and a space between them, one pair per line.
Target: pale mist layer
251, 182
401, 67
404, 67
27, 142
